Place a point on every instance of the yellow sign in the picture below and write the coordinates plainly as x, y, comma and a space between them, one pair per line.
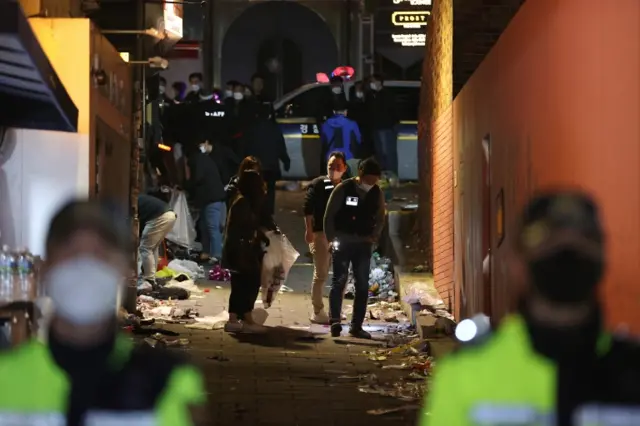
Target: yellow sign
410, 19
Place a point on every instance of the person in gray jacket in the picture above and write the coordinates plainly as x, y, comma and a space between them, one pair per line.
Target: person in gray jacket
353, 223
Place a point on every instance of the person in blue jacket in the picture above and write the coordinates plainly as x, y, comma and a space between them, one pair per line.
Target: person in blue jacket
340, 133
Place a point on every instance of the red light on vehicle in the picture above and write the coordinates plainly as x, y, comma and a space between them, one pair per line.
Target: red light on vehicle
322, 77
345, 72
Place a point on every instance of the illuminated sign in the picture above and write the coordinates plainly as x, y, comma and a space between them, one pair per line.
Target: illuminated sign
173, 19
124, 56
410, 19
413, 2
402, 23
409, 40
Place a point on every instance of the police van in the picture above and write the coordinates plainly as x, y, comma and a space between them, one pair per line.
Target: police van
297, 115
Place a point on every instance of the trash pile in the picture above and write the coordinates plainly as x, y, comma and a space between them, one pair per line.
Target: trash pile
413, 358
382, 282
388, 312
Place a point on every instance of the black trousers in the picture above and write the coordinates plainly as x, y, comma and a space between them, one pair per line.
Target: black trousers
245, 287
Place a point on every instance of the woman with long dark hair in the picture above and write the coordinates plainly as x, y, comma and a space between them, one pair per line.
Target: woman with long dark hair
243, 252
248, 163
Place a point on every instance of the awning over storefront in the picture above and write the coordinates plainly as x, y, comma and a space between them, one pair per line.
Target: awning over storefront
31, 94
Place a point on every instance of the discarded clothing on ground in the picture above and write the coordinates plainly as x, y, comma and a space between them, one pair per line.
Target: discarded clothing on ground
218, 273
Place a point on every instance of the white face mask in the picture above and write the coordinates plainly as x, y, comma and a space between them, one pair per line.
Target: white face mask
84, 290
161, 89
238, 96
336, 90
365, 187
359, 95
375, 86
195, 87
203, 149
228, 93
335, 175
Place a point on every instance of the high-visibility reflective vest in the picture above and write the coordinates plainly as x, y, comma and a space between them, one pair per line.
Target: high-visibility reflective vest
34, 390
506, 382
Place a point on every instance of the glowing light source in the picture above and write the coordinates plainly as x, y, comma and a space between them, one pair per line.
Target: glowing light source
466, 330
322, 77
345, 72
173, 19
124, 56
164, 147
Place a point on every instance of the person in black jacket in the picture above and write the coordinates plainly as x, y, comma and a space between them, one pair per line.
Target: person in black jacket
264, 141
207, 192
248, 165
239, 114
383, 118
195, 88
243, 253
315, 204
358, 112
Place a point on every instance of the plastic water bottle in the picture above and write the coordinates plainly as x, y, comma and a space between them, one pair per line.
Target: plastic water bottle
6, 285
26, 285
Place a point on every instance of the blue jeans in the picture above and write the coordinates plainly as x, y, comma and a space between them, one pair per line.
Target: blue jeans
359, 255
212, 220
385, 143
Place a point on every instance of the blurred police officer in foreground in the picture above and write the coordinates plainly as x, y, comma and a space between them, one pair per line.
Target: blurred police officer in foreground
552, 363
353, 222
88, 373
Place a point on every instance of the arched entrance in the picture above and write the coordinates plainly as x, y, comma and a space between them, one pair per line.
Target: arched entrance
285, 34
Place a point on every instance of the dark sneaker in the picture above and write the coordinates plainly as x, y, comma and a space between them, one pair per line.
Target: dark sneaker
336, 329
359, 333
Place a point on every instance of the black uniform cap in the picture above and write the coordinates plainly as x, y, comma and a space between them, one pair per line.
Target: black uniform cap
559, 219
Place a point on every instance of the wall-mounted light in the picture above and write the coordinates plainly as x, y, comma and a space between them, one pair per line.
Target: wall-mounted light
155, 62
151, 32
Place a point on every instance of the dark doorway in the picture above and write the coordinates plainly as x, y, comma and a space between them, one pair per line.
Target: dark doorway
286, 75
486, 227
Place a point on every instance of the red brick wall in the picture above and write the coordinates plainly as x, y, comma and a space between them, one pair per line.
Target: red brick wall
442, 189
558, 96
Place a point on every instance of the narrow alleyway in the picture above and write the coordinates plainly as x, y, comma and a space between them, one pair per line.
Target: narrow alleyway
285, 377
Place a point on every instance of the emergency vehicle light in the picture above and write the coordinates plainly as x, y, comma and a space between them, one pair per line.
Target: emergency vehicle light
322, 78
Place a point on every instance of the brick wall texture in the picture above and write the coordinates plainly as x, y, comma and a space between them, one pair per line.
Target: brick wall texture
442, 190
435, 143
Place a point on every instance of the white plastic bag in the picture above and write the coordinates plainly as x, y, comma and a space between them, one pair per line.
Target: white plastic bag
184, 231
276, 264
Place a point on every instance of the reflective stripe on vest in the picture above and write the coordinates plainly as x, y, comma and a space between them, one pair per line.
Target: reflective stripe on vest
92, 418
512, 415
32, 419
607, 415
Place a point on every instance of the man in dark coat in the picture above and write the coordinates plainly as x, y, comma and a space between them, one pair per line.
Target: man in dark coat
264, 141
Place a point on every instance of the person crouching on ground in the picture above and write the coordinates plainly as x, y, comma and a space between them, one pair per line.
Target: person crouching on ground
243, 252
352, 224
156, 221
315, 204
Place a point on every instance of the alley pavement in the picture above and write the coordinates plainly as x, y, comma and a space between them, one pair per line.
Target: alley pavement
286, 377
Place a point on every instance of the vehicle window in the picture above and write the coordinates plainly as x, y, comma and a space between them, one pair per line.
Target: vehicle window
407, 102
309, 103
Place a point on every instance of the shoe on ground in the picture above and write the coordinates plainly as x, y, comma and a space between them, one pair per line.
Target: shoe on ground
320, 318
359, 333
233, 327
336, 329
253, 328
